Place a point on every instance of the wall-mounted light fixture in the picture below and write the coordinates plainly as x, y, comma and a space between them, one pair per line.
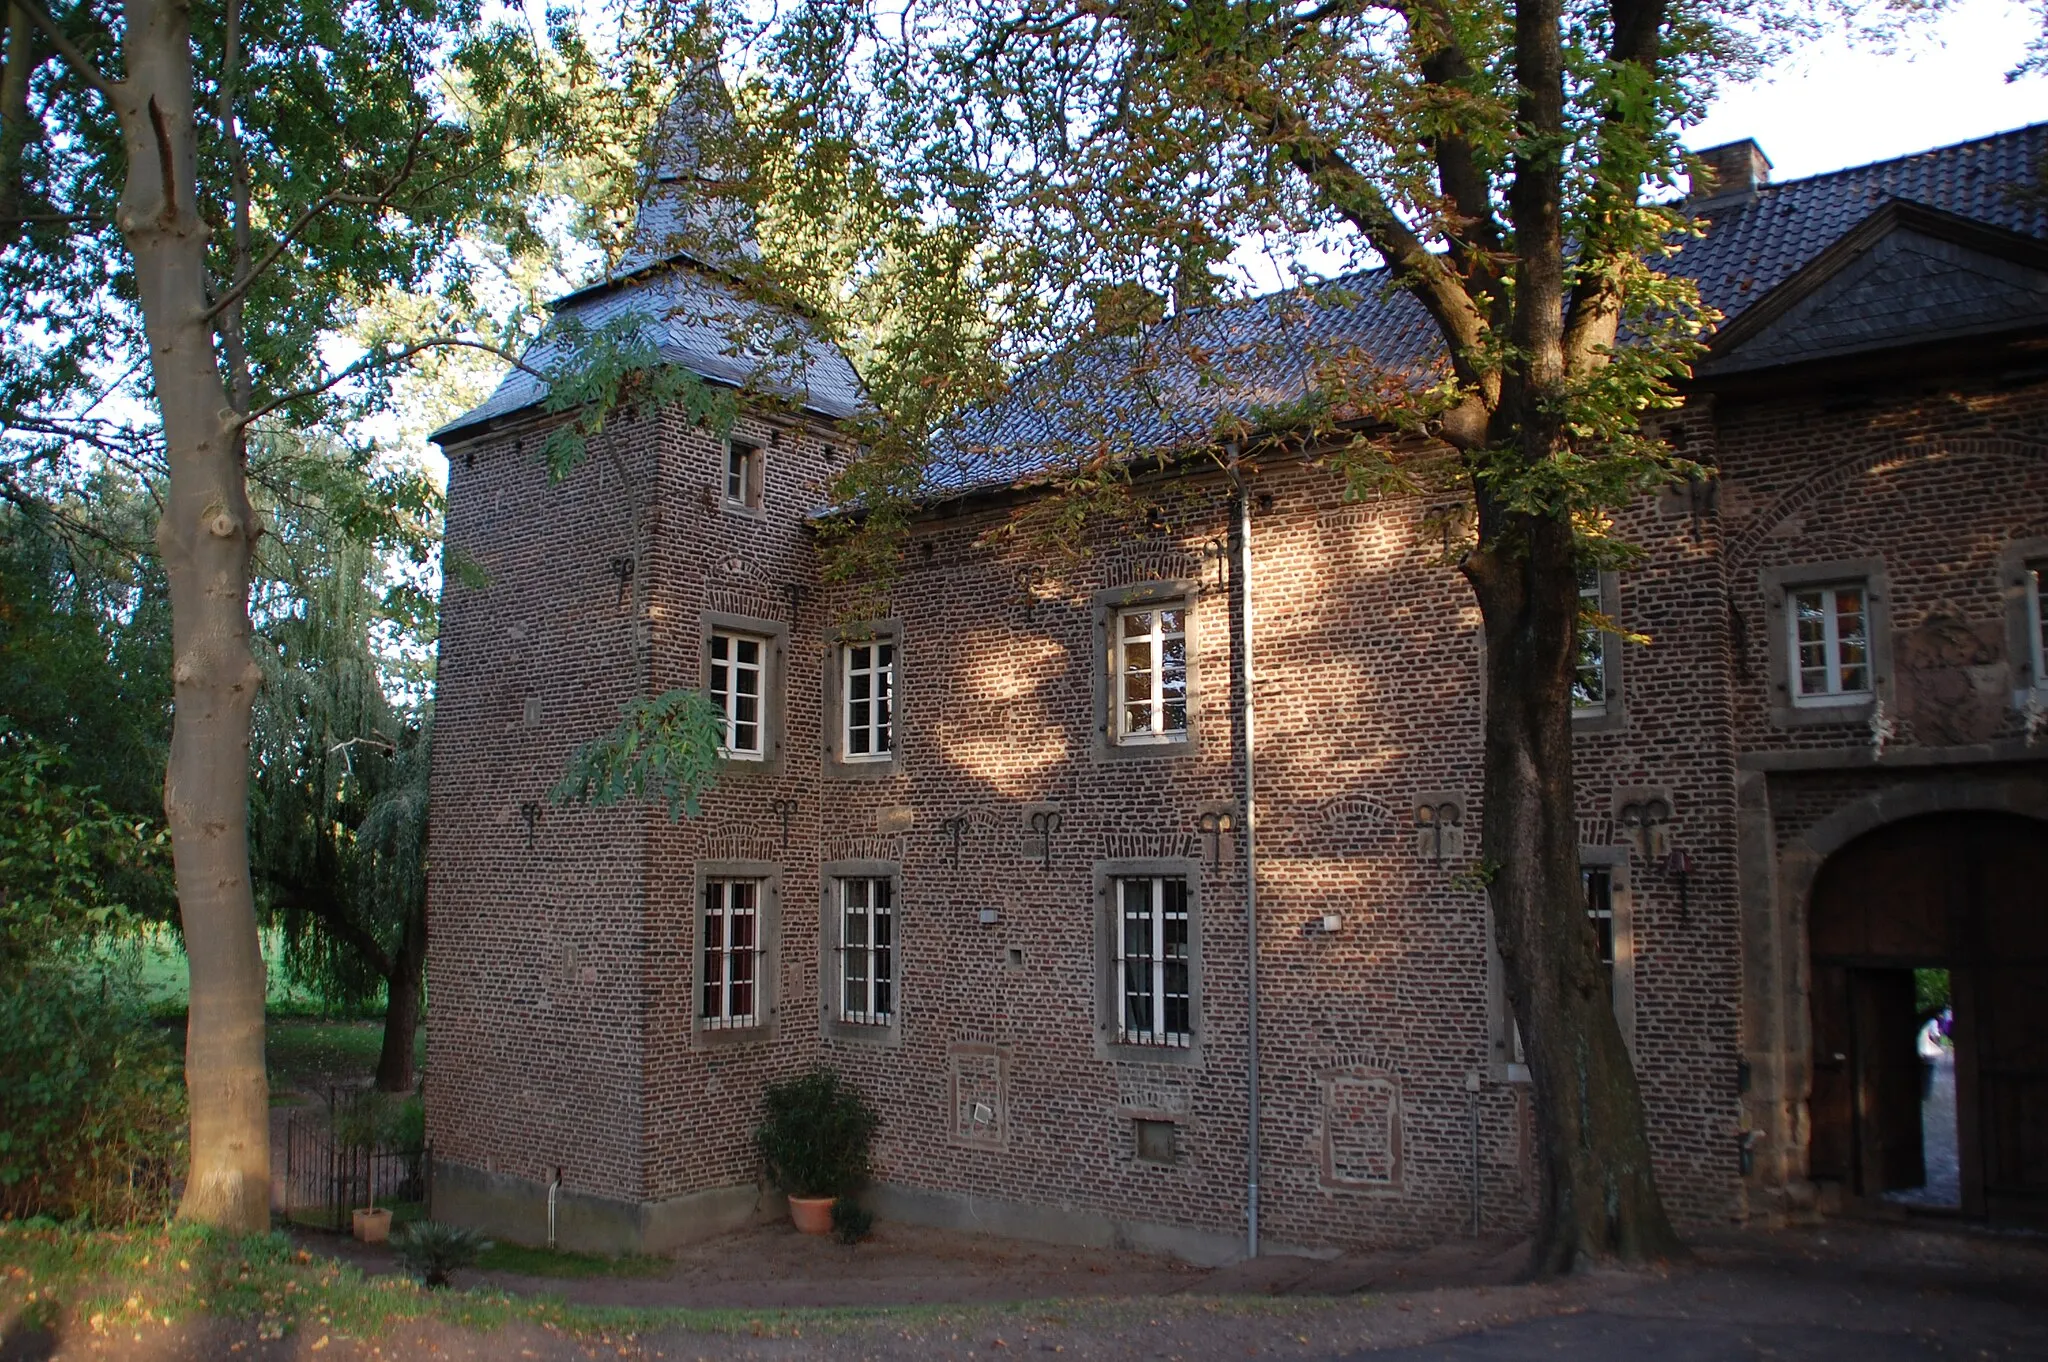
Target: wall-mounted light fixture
1678, 866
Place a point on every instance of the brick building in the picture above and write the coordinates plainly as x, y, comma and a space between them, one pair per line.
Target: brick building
987, 853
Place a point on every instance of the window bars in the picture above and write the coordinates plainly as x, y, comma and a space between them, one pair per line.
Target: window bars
732, 947
1152, 960
867, 952
1151, 666
870, 690
736, 692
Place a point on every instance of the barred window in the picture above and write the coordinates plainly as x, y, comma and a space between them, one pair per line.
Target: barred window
1150, 665
736, 692
870, 700
731, 937
867, 951
1152, 961
2037, 620
1830, 644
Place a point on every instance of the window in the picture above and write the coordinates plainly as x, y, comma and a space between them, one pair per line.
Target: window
742, 475
869, 682
731, 953
2037, 621
1599, 882
736, 671
1589, 676
867, 951
1152, 961
1150, 667
1829, 644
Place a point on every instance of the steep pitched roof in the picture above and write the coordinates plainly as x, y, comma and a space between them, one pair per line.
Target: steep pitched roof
676, 280
1172, 388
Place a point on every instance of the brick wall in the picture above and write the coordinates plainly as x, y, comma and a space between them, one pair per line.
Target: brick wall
562, 976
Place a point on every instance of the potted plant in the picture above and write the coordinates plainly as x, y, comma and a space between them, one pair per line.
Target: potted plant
815, 1143
372, 1223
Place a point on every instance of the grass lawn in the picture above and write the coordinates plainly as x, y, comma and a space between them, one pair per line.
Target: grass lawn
547, 1262
154, 960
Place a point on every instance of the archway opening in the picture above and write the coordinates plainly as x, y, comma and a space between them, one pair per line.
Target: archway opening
1954, 903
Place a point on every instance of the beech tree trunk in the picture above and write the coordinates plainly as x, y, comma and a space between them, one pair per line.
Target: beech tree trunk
205, 536
1598, 1196
403, 988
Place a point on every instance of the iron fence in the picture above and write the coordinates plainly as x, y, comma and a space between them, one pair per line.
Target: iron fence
329, 1172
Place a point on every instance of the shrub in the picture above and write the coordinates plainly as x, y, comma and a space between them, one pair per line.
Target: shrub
815, 1140
92, 1103
851, 1221
430, 1250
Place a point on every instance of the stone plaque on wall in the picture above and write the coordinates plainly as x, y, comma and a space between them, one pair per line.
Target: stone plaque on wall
978, 1082
1361, 1129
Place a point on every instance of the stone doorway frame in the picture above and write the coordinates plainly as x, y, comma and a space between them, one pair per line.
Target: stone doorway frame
1775, 888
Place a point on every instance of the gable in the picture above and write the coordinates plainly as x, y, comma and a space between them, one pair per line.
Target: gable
1909, 276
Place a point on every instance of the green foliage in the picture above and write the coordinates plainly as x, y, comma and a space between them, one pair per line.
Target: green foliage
816, 1136
91, 1102
533, 1260
61, 849
616, 367
1930, 992
851, 1221
665, 749
430, 1250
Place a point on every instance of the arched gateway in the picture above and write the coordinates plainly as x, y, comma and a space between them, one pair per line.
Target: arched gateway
1965, 892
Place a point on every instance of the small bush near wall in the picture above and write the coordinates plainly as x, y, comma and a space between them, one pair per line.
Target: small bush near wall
815, 1139
92, 1103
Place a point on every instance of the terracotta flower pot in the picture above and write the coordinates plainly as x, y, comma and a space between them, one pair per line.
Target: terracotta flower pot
373, 1225
811, 1214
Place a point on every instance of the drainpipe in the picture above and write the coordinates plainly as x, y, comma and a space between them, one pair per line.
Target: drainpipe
1251, 864
554, 1192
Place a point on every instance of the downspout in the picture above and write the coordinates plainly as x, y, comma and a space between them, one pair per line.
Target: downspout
1251, 862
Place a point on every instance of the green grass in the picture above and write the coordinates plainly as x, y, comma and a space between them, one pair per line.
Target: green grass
152, 961
104, 1281
547, 1262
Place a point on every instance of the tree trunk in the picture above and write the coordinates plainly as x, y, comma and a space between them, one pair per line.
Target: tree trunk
205, 536
403, 990
1598, 1193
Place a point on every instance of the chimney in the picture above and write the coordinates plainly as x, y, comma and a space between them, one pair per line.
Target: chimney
1728, 174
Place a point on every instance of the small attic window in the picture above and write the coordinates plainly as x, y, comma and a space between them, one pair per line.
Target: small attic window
743, 475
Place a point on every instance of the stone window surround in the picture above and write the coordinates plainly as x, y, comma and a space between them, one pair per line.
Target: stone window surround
2023, 619
767, 948
837, 766
1104, 605
774, 667
753, 506
1777, 585
1108, 1012
1501, 1061
1613, 716
830, 924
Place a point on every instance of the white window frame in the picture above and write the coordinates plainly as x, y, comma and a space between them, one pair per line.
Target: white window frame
878, 731
877, 916
1837, 693
1157, 915
746, 464
726, 695
716, 977
1155, 638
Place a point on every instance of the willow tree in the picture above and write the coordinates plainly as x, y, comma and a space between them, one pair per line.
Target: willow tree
1501, 163
196, 196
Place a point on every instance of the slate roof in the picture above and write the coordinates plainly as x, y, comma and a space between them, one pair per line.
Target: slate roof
1212, 366
689, 233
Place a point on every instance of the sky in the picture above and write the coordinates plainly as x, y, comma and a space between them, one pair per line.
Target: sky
1833, 105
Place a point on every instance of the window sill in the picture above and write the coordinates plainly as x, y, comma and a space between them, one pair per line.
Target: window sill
877, 1035
1175, 1056
726, 1037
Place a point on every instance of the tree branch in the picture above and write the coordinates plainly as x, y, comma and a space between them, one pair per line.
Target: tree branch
320, 205
340, 922
372, 363
81, 65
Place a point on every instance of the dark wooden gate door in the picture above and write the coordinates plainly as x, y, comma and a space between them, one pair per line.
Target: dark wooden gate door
1962, 892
